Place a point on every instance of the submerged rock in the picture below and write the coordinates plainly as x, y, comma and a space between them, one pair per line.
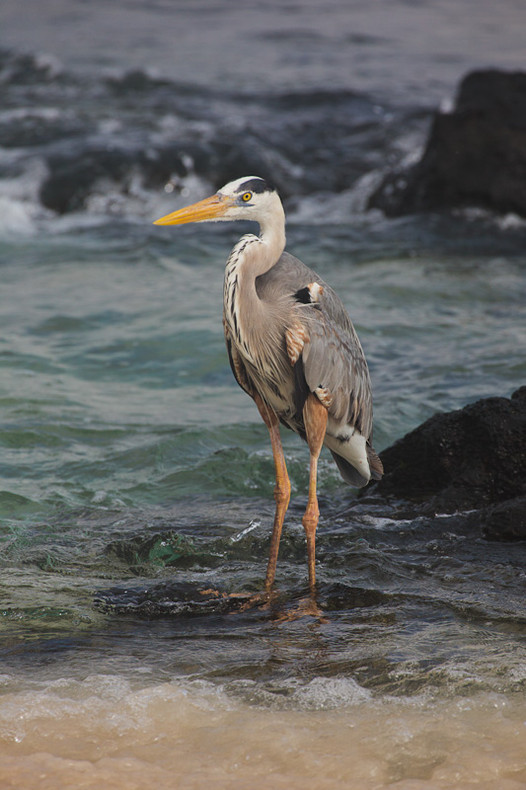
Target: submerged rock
181, 599
470, 459
475, 155
505, 521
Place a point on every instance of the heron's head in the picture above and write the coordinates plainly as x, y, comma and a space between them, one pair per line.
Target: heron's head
249, 198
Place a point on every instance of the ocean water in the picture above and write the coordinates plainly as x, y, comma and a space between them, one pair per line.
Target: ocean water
135, 474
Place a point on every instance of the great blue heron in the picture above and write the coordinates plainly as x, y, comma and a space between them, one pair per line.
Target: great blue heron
292, 348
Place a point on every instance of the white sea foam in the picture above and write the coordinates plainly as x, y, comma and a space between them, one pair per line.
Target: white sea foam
15, 217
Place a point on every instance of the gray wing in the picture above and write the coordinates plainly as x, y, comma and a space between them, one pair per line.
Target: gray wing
333, 360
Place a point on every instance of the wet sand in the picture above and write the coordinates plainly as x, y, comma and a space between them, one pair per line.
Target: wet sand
101, 733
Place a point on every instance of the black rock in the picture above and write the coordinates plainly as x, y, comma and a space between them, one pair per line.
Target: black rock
467, 459
76, 170
505, 521
475, 155
181, 599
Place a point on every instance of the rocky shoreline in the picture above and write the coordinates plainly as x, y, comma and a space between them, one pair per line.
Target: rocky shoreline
471, 462
475, 155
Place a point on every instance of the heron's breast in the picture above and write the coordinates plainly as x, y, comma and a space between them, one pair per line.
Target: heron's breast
271, 374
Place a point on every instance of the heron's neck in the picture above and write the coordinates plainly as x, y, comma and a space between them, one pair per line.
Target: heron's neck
251, 257
272, 235
255, 255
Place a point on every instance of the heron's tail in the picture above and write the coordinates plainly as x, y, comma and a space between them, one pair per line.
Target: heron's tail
348, 472
375, 464
352, 476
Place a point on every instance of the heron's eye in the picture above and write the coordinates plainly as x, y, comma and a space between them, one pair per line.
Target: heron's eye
246, 197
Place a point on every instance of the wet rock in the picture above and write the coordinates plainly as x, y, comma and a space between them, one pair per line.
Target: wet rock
506, 521
75, 173
24, 69
467, 459
71, 178
181, 599
475, 155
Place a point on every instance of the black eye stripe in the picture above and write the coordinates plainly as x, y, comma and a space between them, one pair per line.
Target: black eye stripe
256, 185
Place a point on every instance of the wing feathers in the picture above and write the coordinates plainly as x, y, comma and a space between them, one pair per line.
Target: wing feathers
335, 367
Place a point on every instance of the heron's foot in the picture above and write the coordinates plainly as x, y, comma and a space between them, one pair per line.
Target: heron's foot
243, 601
261, 600
229, 602
269, 600
306, 607
212, 593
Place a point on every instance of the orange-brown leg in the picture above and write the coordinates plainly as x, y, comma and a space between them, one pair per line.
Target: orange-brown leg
315, 419
281, 490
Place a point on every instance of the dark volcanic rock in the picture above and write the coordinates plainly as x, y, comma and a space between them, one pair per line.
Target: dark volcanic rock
475, 155
467, 459
75, 172
506, 521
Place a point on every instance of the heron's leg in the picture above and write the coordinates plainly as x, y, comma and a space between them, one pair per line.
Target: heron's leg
315, 419
281, 490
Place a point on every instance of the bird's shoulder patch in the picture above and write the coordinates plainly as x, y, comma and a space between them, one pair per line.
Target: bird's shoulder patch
309, 294
297, 334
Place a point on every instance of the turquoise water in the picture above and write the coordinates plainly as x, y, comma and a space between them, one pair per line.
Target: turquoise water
115, 385
114, 362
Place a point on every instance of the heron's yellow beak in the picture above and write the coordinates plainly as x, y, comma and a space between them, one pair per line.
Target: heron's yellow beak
208, 209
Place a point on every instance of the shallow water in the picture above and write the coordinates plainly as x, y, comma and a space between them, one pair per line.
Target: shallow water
135, 474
